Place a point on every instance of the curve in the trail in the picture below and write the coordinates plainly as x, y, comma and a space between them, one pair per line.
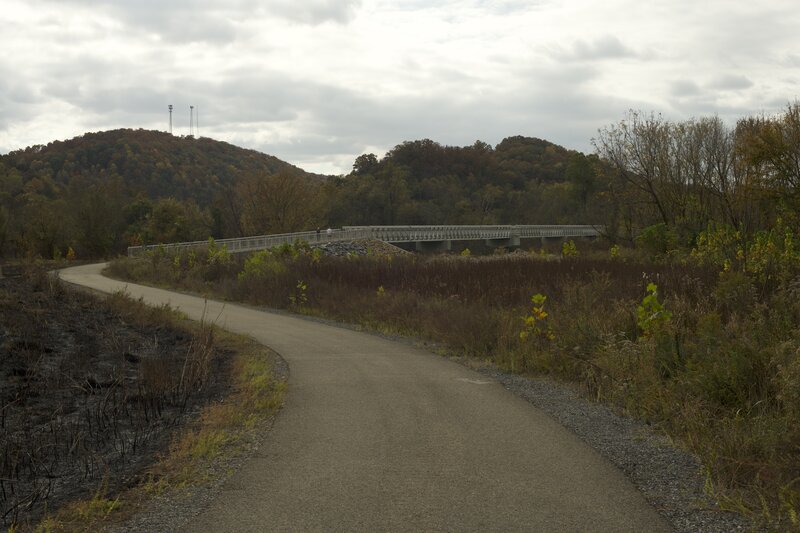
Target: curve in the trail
377, 435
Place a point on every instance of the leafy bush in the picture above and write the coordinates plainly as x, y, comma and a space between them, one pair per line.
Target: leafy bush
536, 326
569, 249
766, 255
657, 240
262, 265
651, 315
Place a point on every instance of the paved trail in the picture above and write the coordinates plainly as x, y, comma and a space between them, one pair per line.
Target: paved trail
376, 435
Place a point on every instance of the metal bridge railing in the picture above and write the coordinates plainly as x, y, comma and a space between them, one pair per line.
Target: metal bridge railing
395, 234
465, 233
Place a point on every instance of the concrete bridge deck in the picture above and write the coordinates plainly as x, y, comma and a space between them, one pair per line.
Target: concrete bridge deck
424, 237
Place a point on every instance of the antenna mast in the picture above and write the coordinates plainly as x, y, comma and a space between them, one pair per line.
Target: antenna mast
170, 118
191, 120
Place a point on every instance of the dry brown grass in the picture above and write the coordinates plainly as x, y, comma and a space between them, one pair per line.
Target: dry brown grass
720, 375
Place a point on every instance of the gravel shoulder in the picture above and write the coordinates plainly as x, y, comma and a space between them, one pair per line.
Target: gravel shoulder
670, 479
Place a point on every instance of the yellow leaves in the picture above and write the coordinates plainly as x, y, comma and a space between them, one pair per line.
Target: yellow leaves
765, 254
300, 296
569, 249
535, 323
651, 315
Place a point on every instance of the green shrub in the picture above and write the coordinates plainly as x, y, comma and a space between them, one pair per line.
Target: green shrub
657, 240
262, 265
651, 315
766, 255
569, 249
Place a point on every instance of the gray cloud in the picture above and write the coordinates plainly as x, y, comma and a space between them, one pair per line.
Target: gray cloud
212, 21
315, 11
511, 6
176, 20
497, 7
341, 124
17, 93
332, 124
19, 102
605, 47
684, 88
731, 82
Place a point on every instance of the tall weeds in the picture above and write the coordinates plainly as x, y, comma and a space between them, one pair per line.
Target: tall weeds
712, 360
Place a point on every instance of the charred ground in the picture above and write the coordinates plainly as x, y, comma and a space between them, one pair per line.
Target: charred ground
90, 391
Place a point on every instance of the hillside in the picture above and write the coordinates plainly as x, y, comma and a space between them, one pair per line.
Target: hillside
96, 194
154, 164
521, 180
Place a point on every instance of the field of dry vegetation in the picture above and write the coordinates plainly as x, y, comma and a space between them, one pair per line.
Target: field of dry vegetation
95, 398
709, 358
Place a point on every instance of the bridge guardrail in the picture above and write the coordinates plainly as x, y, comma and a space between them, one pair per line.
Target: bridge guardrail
395, 234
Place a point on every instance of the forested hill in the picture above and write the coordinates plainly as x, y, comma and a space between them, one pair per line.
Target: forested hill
523, 180
152, 163
98, 193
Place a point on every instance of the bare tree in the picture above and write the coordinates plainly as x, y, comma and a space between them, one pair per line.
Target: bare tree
636, 148
693, 171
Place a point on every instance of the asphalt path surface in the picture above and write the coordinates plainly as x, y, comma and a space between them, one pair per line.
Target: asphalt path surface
377, 435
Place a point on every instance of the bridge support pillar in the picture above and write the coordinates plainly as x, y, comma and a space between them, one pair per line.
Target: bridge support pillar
433, 246
511, 242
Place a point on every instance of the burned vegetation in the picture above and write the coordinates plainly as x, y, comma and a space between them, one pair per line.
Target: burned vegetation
90, 392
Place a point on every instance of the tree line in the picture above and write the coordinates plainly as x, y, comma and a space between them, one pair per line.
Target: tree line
667, 181
682, 182
97, 194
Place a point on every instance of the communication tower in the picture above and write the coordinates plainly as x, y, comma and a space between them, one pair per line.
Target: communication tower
170, 118
191, 120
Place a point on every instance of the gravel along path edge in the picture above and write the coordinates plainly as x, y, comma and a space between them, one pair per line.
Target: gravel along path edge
670, 479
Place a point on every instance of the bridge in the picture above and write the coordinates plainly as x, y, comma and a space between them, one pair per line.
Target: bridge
425, 238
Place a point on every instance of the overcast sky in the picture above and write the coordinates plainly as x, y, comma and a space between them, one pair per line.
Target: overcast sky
318, 82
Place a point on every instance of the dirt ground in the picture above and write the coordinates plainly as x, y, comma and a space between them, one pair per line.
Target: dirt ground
90, 392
